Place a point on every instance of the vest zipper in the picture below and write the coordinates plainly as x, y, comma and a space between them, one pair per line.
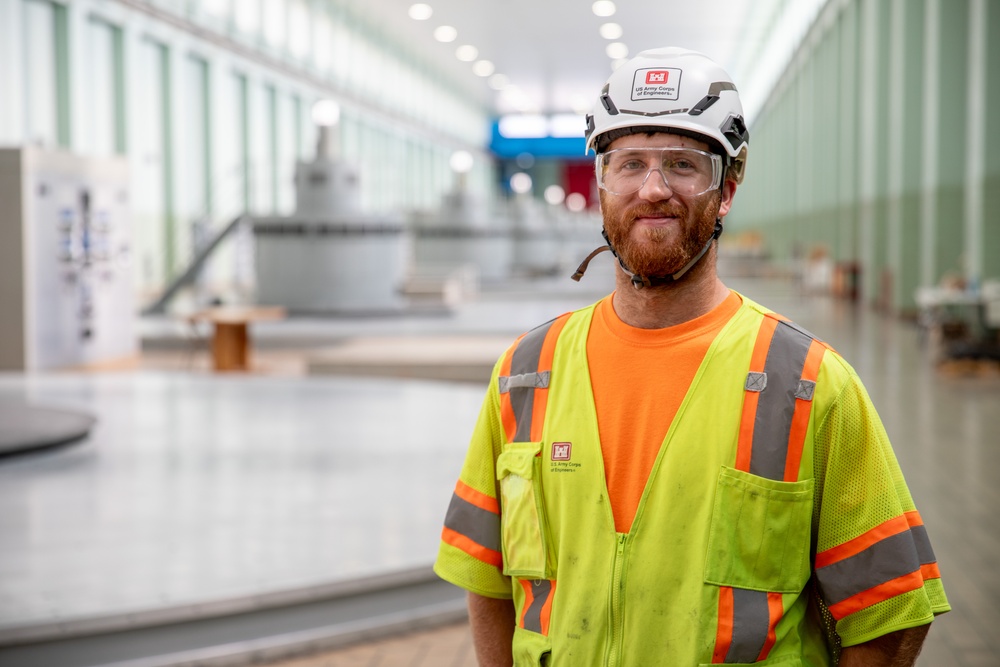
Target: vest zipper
617, 615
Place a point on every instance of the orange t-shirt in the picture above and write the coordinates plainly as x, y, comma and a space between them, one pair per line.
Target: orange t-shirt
639, 379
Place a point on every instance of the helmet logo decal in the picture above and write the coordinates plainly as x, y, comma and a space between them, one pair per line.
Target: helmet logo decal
661, 83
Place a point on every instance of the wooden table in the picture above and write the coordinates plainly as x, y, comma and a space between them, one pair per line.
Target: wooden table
231, 340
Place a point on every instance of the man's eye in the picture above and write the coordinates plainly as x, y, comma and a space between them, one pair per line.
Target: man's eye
633, 165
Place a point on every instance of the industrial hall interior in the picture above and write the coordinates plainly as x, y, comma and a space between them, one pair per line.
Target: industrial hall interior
258, 259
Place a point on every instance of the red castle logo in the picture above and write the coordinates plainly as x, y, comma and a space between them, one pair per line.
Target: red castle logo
561, 451
656, 76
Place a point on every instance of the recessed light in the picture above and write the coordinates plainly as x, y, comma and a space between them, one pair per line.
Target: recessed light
482, 68
420, 12
604, 8
610, 30
466, 53
616, 50
445, 33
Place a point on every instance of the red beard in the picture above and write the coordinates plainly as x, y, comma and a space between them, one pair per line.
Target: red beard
659, 251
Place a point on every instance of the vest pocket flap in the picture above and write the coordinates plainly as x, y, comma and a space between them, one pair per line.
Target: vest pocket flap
522, 513
760, 533
518, 460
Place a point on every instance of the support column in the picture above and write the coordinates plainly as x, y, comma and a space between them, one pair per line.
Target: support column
868, 157
847, 248
906, 153
990, 188
975, 143
951, 65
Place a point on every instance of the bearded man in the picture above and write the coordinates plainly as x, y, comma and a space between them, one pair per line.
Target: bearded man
676, 475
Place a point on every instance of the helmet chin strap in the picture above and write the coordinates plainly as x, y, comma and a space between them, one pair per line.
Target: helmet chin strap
648, 281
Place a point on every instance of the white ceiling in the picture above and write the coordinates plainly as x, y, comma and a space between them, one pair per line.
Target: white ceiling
552, 51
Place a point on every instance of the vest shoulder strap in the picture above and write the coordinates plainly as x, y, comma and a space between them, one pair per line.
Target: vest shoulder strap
777, 401
523, 381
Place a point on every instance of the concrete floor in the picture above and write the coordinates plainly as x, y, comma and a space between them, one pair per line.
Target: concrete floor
196, 487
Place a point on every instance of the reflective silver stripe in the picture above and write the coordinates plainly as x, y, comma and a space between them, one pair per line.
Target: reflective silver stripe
785, 360
536, 380
540, 589
479, 525
525, 363
882, 562
750, 625
756, 381
925, 554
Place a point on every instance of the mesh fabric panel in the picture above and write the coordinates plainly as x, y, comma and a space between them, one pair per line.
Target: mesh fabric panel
859, 487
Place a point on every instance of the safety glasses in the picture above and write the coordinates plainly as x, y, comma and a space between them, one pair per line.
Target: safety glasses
686, 171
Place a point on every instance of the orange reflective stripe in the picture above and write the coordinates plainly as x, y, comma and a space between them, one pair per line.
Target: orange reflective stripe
541, 396
913, 518
529, 600
775, 609
537, 610
890, 589
507, 416
477, 551
862, 542
930, 571
744, 448
803, 408
724, 633
477, 498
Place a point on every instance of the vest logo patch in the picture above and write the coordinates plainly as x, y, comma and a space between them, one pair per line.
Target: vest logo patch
561, 451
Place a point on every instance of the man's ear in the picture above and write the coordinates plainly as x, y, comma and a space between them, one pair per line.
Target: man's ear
728, 193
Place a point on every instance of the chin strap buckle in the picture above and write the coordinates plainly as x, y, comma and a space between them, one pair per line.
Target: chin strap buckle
639, 282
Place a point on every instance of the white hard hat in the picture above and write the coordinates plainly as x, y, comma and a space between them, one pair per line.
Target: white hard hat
672, 90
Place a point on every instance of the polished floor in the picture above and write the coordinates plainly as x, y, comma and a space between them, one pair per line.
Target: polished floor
196, 487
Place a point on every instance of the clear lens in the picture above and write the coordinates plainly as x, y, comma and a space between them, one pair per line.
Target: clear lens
687, 171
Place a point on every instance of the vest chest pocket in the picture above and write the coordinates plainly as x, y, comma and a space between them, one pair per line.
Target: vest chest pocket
522, 514
760, 533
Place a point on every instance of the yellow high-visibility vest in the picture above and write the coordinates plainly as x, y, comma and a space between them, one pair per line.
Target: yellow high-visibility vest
752, 513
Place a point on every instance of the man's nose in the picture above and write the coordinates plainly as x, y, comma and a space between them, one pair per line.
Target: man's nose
655, 186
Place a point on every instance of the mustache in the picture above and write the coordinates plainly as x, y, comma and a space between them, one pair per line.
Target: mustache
647, 210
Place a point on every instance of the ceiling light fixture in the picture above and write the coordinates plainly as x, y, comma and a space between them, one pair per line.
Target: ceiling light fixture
483, 68
616, 50
523, 126
567, 125
611, 30
604, 8
466, 53
420, 12
445, 33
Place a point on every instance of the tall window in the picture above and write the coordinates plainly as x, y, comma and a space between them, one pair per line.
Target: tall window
46, 103
103, 114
